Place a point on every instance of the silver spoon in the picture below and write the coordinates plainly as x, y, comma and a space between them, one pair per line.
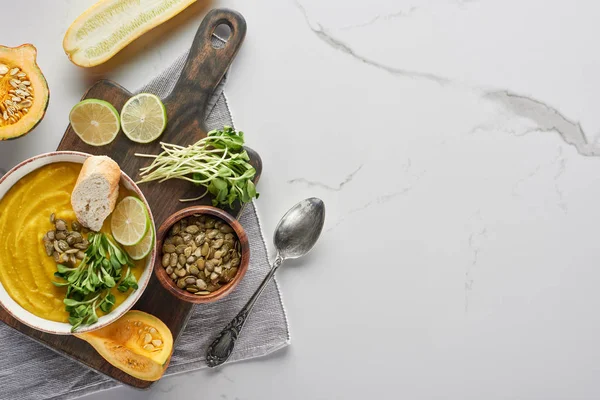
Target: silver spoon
295, 235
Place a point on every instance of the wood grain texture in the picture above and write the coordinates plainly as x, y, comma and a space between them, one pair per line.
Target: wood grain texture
186, 108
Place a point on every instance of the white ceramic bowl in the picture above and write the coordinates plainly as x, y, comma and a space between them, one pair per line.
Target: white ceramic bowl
61, 328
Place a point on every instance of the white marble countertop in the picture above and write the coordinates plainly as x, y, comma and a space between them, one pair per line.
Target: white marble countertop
455, 145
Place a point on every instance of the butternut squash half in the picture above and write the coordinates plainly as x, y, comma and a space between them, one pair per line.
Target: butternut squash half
137, 343
24, 91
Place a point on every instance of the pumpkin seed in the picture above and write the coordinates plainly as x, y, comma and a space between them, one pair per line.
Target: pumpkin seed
193, 270
76, 226
168, 248
199, 253
190, 280
199, 239
193, 229
74, 237
49, 248
226, 229
61, 225
201, 284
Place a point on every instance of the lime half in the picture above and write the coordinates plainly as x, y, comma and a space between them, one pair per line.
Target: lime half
129, 222
143, 248
96, 122
143, 118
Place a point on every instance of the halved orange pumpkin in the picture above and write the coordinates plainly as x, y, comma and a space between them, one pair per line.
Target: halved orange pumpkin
137, 343
24, 91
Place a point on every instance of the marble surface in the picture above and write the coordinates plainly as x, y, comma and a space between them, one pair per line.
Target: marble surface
455, 144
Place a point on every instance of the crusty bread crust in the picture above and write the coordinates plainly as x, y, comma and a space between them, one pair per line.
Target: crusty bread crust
108, 168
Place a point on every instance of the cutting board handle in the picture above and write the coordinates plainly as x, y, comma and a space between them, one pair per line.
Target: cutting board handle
204, 68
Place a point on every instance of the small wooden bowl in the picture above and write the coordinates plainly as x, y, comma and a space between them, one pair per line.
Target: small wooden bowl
223, 291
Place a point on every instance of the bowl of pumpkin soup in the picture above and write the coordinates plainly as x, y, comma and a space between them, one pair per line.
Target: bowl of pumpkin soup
43, 247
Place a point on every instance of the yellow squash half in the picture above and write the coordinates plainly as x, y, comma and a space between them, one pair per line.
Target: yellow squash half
137, 343
24, 91
110, 25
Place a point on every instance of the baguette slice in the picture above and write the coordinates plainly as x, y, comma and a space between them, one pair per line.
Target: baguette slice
96, 191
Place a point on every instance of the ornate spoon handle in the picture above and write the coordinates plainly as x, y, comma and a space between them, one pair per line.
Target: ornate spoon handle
222, 347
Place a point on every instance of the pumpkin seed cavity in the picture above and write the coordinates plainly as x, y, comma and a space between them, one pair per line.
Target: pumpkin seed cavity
148, 337
16, 94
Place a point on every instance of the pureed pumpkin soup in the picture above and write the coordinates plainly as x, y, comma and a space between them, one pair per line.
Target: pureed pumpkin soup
26, 270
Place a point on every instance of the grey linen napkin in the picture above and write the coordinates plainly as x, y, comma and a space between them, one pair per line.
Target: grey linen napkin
29, 370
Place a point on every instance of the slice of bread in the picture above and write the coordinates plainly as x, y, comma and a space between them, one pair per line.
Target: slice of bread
96, 191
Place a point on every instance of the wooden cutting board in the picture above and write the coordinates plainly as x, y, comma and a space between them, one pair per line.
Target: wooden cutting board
186, 111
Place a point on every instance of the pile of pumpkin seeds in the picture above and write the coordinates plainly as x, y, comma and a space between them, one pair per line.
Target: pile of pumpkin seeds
201, 254
64, 245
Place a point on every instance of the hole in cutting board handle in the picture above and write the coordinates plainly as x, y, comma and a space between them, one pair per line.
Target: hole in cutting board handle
221, 34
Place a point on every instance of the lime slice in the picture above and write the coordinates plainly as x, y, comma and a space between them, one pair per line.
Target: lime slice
143, 248
96, 122
143, 118
129, 222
